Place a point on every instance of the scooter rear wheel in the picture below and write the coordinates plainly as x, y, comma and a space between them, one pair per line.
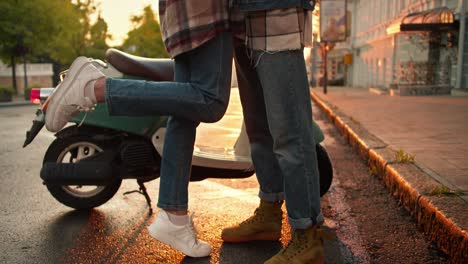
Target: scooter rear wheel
70, 150
325, 169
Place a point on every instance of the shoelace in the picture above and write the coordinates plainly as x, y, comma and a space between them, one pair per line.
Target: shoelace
88, 106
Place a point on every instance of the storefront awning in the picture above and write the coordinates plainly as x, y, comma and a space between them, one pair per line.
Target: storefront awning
438, 19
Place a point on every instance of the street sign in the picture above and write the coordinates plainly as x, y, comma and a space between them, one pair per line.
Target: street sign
332, 20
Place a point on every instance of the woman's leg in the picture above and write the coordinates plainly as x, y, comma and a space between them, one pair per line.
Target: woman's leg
201, 98
176, 164
197, 81
180, 135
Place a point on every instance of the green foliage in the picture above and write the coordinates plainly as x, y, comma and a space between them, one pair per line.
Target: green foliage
54, 31
29, 27
6, 93
96, 45
49, 30
145, 38
68, 42
444, 190
403, 157
79, 37
58, 31
6, 90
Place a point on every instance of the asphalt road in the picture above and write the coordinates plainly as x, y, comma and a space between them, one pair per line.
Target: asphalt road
35, 228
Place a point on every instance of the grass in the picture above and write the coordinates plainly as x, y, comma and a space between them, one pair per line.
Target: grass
443, 190
373, 171
403, 157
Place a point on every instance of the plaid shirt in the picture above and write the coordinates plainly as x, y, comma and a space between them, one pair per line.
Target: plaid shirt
185, 25
279, 29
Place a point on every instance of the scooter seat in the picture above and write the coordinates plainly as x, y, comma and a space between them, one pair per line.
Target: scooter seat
148, 68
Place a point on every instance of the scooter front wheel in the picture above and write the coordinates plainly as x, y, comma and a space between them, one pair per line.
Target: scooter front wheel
71, 150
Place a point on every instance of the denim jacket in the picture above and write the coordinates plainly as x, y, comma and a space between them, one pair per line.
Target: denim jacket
256, 5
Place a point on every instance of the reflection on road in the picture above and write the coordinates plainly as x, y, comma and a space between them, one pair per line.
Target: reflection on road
222, 134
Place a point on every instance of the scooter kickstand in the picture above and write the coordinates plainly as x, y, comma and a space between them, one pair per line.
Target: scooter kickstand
145, 193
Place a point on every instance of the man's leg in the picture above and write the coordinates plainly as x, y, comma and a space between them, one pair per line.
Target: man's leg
285, 87
266, 222
255, 117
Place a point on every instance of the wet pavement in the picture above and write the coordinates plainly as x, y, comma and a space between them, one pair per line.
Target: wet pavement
37, 229
418, 146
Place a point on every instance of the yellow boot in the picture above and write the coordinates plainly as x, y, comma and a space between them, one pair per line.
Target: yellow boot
305, 247
265, 224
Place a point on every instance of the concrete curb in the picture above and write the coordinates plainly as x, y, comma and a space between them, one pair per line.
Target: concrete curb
443, 219
18, 103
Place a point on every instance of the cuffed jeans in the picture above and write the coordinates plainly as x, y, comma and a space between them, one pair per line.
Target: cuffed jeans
275, 99
200, 93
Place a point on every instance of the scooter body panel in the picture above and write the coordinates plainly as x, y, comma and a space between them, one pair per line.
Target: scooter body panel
212, 157
144, 125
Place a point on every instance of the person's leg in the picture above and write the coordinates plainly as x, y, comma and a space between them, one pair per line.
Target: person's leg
265, 224
202, 98
285, 86
261, 142
176, 164
173, 226
288, 107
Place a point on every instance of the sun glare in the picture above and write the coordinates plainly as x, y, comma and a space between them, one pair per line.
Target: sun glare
117, 14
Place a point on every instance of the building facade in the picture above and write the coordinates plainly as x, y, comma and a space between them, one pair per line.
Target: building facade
39, 74
401, 43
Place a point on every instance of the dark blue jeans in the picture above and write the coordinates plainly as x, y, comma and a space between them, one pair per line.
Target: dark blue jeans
200, 93
275, 98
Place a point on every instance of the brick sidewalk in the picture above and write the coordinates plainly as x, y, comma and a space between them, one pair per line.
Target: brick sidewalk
432, 129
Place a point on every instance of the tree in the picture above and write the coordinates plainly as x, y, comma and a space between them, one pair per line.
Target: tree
55, 31
79, 37
69, 41
96, 45
145, 38
30, 29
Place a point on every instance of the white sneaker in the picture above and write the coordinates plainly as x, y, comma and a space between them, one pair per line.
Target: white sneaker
68, 98
182, 238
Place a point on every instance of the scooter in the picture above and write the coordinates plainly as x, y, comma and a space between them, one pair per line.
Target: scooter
84, 166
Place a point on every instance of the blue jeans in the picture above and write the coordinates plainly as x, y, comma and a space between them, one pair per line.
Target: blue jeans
275, 98
200, 93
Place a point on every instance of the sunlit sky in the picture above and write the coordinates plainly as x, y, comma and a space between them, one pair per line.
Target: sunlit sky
117, 14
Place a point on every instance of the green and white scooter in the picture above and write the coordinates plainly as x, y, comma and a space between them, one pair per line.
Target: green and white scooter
86, 163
